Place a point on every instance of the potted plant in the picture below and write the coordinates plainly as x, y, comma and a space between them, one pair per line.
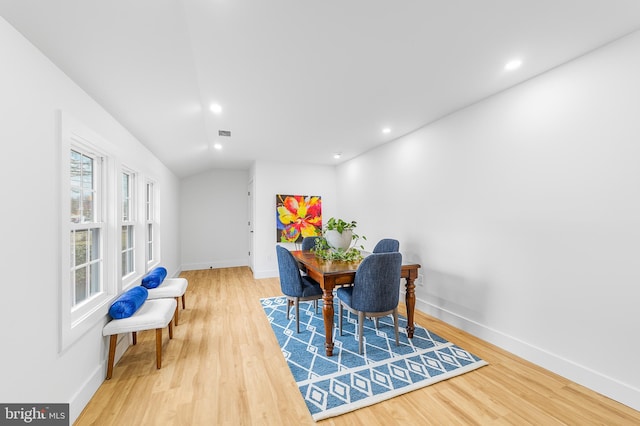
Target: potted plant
339, 233
336, 242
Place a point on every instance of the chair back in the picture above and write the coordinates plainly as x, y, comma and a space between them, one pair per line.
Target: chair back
290, 278
387, 245
376, 287
309, 242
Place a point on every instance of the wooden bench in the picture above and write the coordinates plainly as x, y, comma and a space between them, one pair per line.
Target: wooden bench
153, 314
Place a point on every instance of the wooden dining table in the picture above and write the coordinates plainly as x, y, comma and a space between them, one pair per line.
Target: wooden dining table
331, 274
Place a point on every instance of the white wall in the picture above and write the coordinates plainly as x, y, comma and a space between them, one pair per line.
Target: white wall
214, 219
33, 90
524, 211
284, 178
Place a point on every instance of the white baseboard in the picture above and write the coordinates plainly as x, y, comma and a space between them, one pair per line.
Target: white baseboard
80, 400
607, 386
267, 273
86, 392
228, 263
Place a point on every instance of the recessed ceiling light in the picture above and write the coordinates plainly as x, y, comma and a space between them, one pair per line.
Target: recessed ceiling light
215, 108
337, 155
386, 130
217, 146
513, 65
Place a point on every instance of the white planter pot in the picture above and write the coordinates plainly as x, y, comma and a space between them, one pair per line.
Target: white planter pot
338, 240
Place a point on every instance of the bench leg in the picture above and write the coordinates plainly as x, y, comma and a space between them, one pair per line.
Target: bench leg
175, 315
112, 354
159, 343
159, 347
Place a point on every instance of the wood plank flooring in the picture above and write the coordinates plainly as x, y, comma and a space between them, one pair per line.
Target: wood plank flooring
224, 367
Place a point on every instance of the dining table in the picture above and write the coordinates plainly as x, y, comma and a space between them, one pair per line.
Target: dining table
331, 274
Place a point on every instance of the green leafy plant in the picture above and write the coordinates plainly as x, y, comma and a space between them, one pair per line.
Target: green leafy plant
324, 251
339, 225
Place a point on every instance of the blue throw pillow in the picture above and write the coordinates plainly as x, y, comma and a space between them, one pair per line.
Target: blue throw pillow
154, 278
128, 302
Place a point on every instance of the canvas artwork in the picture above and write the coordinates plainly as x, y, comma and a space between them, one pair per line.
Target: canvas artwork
297, 217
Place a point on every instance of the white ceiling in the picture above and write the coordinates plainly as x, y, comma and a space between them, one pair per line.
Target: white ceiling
300, 80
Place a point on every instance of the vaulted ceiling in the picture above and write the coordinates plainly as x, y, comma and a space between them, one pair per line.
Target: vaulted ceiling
299, 80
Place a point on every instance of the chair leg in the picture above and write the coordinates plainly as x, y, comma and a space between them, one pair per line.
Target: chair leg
159, 347
134, 337
376, 320
170, 330
112, 354
297, 315
315, 305
395, 325
183, 305
340, 317
360, 330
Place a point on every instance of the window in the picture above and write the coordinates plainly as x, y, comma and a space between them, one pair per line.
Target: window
87, 227
150, 222
128, 223
88, 273
103, 246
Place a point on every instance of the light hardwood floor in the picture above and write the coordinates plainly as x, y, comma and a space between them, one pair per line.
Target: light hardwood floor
224, 367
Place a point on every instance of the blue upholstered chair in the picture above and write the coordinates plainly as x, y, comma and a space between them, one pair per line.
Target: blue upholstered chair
296, 287
387, 245
309, 242
375, 292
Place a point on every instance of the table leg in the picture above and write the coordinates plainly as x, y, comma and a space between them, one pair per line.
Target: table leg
410, 302
327, 314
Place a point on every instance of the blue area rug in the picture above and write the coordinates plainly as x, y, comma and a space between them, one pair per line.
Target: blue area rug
347, 381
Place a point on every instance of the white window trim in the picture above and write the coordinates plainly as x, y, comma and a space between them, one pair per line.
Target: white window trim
129, 279
75, 321
154, 220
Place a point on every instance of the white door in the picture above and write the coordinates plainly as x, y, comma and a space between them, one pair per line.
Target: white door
250, 222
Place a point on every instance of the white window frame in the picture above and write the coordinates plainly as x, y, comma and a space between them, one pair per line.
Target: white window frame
128, 219
152, 254
77, 320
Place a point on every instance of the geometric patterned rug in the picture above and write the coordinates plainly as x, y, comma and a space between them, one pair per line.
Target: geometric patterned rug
347, 381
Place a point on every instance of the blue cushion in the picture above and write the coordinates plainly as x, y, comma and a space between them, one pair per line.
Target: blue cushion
387, 245
309, 243
128, 302
345, 294
292, 283
376, 287
154, 278
310, 287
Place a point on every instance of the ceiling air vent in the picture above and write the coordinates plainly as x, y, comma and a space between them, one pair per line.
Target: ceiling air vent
224, 132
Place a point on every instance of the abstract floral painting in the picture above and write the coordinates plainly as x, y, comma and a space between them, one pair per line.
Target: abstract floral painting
298, 216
